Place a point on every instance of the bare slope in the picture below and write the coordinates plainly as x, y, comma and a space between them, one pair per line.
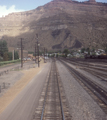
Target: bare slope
60, 24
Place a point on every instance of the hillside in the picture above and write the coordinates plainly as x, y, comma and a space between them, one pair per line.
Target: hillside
60, 24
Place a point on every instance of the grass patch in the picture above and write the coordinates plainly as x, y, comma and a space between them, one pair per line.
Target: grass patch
9, 62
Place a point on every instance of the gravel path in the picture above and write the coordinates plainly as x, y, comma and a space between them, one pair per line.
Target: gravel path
81, 105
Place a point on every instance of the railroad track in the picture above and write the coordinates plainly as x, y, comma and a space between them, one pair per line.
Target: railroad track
53, 104
95, 88
95, 70
99, 61
92, 65
99, 74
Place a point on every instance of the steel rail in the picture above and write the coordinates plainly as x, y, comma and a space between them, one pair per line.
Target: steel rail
62, 111
98, 67
89, 60
97, 90
44, 103
100, 73
45, 95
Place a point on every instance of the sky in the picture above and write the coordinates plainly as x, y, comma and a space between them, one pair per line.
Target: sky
9, 6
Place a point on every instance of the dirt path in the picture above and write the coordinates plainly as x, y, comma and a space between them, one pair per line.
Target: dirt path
9, 96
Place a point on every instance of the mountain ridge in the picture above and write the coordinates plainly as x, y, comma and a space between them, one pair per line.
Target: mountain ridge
60, 24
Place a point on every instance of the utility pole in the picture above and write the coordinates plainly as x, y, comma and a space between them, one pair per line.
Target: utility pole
44, 55
38, 55
37, 48
21, 53
13, 54
46, 52
35, 52
0, 50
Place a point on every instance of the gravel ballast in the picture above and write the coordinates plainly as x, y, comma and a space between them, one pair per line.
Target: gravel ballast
90, 76
81, 104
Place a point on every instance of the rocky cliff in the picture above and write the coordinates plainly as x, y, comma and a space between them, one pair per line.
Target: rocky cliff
60, 24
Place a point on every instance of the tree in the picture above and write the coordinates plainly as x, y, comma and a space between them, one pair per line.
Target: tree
66, 51
88, 50
57, 55
5, 56
72, 51
9, 55
16, 55
4, 44
105, 47
82, 50
3, 48
93, 49
106, 50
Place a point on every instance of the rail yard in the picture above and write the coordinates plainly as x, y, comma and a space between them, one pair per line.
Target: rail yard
53, 60
60, 89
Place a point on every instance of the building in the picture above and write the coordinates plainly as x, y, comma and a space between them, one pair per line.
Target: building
30, 56
25, 54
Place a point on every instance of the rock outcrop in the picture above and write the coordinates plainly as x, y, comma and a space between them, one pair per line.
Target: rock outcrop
93, 1
60, 24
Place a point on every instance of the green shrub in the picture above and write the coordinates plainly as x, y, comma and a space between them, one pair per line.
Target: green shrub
8, 62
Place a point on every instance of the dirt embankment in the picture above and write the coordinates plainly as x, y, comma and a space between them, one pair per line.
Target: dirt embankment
11, 93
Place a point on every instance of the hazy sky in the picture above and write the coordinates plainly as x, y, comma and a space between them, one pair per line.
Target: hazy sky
9, 6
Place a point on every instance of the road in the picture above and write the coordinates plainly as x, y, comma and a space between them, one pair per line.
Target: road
24, 105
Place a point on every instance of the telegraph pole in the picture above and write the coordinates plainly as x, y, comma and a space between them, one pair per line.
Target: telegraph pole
46, 52
44, 55
0, 50
21, 53
35, 52
37, 48
38, 55
13, 54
